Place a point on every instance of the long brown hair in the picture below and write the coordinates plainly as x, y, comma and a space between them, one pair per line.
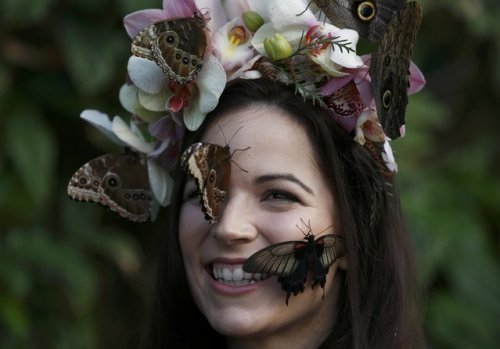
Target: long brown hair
377, 307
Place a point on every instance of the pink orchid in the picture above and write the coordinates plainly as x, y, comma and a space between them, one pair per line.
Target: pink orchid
137, 21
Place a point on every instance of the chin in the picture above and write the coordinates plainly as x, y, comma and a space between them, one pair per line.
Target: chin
236, 325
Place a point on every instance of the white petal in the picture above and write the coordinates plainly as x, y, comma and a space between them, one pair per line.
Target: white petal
155, 102
211, 83
235, 8
323, 60
245, 72
128, 97
215, 12
161, 183
101, 122
193, 117
290, 12
292, 33
261, 7
388, 157
129, 137
146, 74
340, 55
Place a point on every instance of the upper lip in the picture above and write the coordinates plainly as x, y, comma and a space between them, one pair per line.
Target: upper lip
227, 260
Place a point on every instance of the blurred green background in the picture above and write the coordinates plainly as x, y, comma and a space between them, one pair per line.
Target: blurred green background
73, 275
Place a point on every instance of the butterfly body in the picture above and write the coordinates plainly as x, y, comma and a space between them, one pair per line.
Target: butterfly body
176, 45
293, 261
119, 182
210, 165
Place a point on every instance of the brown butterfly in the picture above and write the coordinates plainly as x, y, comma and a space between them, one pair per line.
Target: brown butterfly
292, 261
369, 17
210, 165
176, 45
389, 68
119, 182
394, 25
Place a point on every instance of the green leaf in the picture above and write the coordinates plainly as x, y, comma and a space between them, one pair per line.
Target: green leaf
31, 147
14, 315
91, 55
24, 11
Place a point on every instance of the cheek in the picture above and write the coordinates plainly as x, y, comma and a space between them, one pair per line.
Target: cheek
192, 228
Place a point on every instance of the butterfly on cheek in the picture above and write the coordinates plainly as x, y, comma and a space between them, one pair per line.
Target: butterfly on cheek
119, 182
293, 261
210, 166
393, 24
176, 45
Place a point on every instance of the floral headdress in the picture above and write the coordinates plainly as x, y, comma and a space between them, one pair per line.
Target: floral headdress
246, 39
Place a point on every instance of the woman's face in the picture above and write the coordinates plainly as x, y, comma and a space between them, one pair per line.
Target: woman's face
282, 187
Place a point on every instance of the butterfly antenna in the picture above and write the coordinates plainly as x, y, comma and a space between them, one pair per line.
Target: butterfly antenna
330, 226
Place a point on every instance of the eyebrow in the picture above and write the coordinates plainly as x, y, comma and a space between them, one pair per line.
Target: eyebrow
283, 176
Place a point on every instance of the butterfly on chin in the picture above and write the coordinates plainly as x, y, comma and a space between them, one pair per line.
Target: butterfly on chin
293, 261
176, 45
119, 182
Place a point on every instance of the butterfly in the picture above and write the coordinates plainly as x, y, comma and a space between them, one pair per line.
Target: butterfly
394, 25
389, 68
176, 45
210, 165
119, 182
369, 17
292, 261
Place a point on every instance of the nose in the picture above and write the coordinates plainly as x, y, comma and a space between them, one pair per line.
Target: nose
236, 224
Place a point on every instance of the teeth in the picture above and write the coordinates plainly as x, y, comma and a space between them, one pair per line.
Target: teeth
235, 276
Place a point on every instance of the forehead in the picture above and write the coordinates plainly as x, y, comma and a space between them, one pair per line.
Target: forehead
253, 122
273, 136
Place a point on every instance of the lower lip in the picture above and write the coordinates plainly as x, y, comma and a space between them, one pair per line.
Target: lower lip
229, 290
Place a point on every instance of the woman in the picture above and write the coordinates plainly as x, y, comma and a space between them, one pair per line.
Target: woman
300, 167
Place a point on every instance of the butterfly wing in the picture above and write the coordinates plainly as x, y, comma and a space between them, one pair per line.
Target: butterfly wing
279, 259
389, 68
369, 18
119, 182
210, 166
176, 45
332, 248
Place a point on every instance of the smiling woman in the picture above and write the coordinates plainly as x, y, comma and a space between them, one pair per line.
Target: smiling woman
299, 171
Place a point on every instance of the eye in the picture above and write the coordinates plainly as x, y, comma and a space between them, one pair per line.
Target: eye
280, 196
190, 192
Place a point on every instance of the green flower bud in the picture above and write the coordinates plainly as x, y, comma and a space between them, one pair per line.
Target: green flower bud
252, 20
277, 47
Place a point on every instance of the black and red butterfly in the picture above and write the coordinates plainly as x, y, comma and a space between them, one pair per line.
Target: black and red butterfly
293, 261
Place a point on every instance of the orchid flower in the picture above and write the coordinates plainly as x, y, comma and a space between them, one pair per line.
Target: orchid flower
289, 19
155, 92
130, 136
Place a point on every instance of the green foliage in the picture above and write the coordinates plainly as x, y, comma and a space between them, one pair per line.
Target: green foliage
75, 276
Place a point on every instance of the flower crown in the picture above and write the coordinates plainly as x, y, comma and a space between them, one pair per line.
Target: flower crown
184, 55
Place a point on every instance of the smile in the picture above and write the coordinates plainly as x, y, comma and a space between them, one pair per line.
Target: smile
233, 275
